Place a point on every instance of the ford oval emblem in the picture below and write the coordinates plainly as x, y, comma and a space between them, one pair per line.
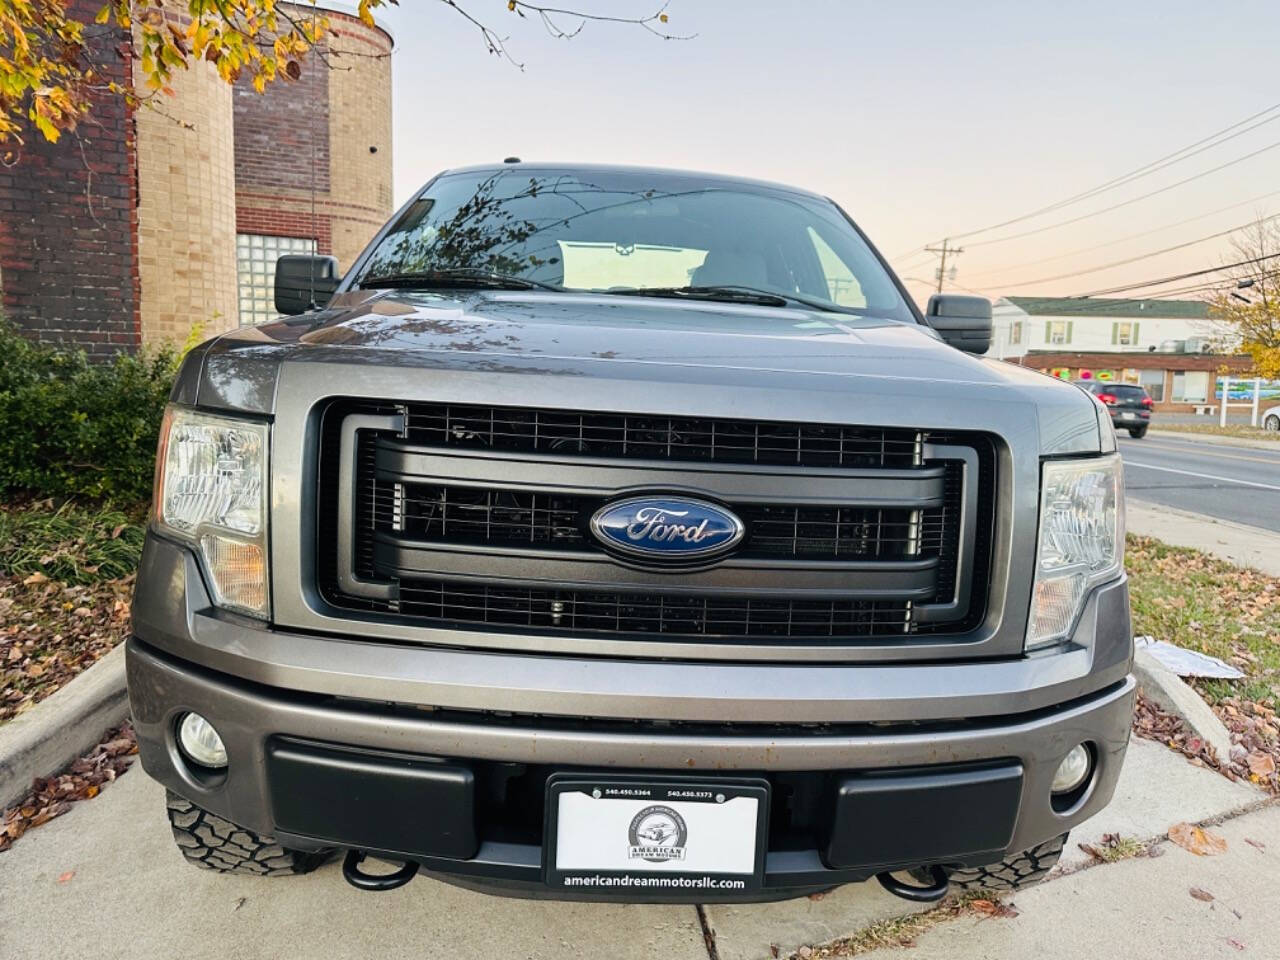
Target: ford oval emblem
667, 528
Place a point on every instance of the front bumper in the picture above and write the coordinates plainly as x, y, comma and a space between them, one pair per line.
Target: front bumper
505, 722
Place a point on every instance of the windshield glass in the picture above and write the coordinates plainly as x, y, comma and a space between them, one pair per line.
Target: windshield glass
613, 231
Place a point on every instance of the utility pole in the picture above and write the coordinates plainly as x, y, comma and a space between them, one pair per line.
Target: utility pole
944, 251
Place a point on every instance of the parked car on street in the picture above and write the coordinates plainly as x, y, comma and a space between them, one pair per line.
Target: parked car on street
1270, 418
623, 534
1129, 404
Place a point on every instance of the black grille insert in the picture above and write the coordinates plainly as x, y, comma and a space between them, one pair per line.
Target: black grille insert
640, 437
487, 518
579, 611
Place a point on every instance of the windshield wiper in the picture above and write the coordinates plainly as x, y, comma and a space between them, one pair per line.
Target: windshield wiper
731, 293
456, 277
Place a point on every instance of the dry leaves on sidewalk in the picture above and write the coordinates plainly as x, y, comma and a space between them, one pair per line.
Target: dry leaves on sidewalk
83, 780
1197, 840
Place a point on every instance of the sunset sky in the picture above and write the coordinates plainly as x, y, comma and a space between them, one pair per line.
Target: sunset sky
922, 119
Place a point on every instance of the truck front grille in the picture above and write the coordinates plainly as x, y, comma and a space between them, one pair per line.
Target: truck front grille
478, 518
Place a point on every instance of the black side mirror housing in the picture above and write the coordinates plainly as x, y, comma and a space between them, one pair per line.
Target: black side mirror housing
963, 322
304, 282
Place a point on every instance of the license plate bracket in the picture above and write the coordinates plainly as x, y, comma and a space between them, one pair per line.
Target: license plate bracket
649, 834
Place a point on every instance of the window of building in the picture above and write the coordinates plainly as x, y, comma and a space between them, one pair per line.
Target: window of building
1015, 333
1124, 334
1190, 386
1057, 332
256, 257
1153, 380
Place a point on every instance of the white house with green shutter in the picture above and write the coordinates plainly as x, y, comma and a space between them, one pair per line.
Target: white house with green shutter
1090, 325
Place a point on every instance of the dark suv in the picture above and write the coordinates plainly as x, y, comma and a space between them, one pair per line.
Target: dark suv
615, 533
1129, 404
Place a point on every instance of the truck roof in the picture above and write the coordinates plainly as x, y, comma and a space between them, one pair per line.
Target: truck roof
720, 178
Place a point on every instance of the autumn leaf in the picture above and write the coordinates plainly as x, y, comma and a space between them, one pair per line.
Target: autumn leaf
1262, 764
1197, 840
1199, 894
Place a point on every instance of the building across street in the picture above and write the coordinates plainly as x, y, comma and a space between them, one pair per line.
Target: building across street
1168, 346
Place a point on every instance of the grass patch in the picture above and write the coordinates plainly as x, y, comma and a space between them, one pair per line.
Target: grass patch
900, 931
1113, 848
70, 543
1212, 429
1202, 603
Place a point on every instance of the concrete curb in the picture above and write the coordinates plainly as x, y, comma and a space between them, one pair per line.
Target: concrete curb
56, 731
1215, 439
1167, 690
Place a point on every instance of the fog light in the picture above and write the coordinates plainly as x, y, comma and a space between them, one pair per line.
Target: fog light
1073, 770
200, 742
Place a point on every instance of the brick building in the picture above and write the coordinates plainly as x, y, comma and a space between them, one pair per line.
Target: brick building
1167, 346
151, 222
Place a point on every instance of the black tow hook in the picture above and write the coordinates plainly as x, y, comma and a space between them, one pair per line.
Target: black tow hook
352, 873
908, 891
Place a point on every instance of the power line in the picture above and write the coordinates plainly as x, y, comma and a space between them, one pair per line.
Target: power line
1145, 256
1125, 203
1132, 236
1146, 170
1176, 277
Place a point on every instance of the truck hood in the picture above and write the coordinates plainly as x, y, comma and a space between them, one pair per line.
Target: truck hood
639, 341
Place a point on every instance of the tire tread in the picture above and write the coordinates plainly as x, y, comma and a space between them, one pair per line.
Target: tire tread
212, 843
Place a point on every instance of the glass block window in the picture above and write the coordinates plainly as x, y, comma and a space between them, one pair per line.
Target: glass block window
256, 271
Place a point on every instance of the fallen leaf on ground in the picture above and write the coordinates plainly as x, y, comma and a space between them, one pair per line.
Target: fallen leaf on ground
1262, 764
1255, 843
1197, 840
52, 796
993, 908
1199, 894
65, 877
34, 579
1235, 943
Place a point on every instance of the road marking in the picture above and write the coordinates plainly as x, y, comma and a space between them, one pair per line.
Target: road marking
1204, 476
1139, 444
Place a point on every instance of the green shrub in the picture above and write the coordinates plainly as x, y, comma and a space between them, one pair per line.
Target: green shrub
69, 427
72, 543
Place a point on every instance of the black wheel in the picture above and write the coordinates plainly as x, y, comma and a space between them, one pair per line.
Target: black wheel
1137, 432
1272, 422
213, 843
1015, 872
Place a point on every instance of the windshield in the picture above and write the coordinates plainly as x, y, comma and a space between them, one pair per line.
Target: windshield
618, 231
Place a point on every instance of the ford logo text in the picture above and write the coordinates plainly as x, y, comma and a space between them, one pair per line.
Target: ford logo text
667, 528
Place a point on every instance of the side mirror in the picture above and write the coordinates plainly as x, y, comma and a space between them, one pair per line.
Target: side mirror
304, 282
963, 322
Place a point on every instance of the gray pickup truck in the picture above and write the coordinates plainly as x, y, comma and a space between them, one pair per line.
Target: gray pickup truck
613, 533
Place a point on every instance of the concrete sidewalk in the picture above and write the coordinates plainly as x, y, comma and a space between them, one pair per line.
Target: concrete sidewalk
106, 881
1140, 909
1236, 543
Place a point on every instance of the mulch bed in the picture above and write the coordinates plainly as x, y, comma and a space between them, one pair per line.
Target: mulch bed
51, 631
53, 796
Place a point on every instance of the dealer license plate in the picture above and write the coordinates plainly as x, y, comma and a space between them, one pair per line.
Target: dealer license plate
619, 835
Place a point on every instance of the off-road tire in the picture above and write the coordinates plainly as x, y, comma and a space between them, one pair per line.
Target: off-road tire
1139, 433
213, 843
1014, 873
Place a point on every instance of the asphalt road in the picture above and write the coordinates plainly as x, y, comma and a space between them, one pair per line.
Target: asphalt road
1241, 484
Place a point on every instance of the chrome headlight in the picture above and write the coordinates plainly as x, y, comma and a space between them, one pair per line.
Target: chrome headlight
211, 489
1081, 541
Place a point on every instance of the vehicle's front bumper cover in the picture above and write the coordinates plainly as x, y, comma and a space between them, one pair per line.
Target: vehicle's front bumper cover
899, 754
